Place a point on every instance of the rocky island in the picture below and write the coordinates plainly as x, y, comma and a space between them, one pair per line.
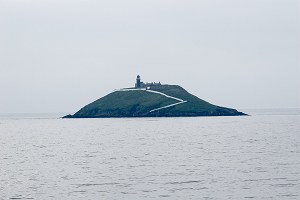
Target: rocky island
151, 100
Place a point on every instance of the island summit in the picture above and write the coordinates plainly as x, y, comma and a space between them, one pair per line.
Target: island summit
151, 100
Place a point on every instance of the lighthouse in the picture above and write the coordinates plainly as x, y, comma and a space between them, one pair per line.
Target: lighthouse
138, 82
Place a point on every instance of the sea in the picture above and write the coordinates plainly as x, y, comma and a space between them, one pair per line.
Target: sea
246, 157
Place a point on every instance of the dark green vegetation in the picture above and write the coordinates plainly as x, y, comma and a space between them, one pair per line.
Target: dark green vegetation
139, 103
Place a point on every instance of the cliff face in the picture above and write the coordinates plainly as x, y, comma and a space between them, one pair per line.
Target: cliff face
156, 101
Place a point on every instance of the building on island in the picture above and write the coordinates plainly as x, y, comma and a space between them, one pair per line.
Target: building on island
140, 84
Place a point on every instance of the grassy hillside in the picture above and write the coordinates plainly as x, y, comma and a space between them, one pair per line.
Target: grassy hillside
139, 103
194, 106
124, 103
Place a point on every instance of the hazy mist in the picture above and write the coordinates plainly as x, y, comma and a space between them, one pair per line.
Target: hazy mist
59, 55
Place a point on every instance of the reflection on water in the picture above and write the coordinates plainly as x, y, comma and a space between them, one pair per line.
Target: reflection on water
256, 157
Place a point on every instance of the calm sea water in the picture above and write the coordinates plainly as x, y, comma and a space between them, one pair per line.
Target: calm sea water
255, 157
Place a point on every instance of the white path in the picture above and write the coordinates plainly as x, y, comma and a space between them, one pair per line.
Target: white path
165, 95
124, 89
174, 104
153, 91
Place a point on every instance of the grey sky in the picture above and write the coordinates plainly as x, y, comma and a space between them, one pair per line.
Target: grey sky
59, 55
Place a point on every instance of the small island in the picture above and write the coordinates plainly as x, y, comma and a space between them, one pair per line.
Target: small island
151, 100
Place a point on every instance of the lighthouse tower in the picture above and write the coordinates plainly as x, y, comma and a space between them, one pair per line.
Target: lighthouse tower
138, 82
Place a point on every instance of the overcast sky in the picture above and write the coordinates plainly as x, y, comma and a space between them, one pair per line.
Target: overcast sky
59, 55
